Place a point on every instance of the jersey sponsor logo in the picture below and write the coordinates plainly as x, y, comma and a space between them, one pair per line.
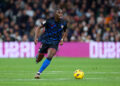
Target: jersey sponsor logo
43, 22
62, 26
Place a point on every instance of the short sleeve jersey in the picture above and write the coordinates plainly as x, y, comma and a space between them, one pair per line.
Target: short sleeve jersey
53, 31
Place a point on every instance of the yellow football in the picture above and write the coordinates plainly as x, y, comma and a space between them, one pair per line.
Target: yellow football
78, 74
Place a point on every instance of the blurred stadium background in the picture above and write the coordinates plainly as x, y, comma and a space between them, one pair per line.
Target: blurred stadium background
88, 20
93, 32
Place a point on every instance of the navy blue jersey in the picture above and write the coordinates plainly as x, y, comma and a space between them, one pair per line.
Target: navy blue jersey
53, 31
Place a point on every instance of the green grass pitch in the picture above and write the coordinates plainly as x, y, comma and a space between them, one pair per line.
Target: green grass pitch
98, 72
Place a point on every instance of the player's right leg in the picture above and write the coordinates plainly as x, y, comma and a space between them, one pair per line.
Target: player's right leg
42, 51
51, 53
39, 57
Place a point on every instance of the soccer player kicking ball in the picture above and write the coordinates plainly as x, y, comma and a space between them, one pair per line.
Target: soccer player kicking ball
55, 31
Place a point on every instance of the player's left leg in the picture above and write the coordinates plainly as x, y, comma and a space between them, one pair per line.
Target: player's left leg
51, 53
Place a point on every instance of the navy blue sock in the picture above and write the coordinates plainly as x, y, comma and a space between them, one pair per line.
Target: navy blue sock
45, 64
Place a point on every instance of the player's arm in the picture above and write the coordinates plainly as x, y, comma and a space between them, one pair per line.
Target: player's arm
63, 35
37, 31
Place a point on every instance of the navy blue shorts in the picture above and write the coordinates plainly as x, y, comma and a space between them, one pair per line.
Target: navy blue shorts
44, 47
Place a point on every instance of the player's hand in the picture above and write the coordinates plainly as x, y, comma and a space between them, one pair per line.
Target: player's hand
36, 41
61, 42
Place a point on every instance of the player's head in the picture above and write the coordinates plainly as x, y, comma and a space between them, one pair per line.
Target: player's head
58, 14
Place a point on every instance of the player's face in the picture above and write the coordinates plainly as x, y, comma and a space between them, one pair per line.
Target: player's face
59, 14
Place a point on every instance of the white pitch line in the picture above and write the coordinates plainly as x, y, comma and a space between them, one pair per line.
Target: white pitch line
50, 72
30, 71
102, 72
56, 79
94, 78
54, 72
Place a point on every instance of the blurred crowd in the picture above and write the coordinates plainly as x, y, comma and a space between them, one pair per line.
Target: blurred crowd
88, 20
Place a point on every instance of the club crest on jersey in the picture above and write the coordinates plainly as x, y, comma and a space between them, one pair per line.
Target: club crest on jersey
62, 26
